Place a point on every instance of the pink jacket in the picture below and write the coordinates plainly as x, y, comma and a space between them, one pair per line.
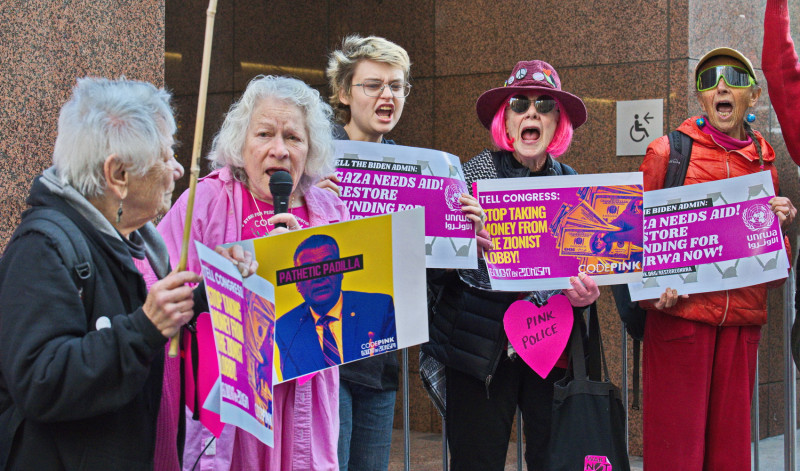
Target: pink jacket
782, 71
306, 417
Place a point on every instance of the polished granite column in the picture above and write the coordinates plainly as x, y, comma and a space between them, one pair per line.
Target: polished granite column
45, 46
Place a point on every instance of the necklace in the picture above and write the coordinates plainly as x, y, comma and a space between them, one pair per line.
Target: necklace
261, 213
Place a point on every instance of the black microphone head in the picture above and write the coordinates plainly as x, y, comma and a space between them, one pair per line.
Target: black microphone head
280, 185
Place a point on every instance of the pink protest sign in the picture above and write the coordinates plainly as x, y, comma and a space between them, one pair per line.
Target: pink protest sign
711, 236
243, 320
546, 229
382, 178
539, 334
678, 238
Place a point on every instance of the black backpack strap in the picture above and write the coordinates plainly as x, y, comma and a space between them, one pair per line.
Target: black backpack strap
74, 251
680, 151
71, 246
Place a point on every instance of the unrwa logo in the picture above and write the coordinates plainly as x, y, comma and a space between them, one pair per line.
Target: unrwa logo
758, 217
451, 195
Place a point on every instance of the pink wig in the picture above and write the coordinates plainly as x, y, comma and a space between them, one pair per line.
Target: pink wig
562, 138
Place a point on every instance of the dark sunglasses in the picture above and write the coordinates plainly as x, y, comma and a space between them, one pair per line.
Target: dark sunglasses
520, 104
735, 77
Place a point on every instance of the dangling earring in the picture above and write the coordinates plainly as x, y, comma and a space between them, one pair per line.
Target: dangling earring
750, 117
700, 122
119, 212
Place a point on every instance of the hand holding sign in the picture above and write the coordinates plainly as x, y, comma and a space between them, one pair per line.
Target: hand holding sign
539, 334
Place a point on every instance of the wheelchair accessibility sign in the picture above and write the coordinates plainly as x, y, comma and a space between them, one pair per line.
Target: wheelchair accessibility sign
639, 122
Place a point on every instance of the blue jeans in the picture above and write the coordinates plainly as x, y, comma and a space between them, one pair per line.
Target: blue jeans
366, 416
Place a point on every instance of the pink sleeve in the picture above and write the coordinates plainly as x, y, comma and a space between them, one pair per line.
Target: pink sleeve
147, 272
782, 71
172, 234
344, 213
171, 228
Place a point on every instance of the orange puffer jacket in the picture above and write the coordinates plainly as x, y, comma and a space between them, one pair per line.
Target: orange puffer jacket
709, 162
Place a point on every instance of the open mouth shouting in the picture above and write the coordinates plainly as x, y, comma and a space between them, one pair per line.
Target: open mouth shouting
724, 109
531, 134
385, 112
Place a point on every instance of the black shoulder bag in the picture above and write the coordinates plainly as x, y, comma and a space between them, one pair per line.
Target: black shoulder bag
588, 430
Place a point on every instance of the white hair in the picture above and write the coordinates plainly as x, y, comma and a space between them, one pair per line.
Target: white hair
230, 140
128, 118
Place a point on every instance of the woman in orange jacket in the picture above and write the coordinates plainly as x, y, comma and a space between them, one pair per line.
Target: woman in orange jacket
700, 351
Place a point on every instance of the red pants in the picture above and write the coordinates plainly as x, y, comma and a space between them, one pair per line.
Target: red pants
698, 386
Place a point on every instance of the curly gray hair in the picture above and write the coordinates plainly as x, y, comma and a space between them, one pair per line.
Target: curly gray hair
230, 140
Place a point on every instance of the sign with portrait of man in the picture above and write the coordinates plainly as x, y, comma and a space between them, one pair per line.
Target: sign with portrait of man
345, 291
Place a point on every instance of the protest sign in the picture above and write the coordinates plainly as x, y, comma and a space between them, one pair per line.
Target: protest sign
711, 236
384, 178
243, 324
539, 334
367, 273
546, 229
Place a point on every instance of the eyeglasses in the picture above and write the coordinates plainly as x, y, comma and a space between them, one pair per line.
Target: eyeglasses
520, 104
375, 88
735, 77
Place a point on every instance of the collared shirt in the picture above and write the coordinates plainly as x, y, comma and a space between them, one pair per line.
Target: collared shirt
336, 326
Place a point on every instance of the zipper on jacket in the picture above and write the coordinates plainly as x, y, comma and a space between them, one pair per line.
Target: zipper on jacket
728, 156
727, 304
495, 362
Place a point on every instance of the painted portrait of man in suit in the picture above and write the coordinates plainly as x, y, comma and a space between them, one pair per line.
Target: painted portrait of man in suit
258, 336
331, 326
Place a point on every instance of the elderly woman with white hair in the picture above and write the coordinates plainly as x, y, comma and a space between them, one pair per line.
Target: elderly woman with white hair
81, 344
279, 124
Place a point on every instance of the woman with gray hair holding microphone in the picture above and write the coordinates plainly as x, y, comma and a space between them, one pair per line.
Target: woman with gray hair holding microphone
279, 124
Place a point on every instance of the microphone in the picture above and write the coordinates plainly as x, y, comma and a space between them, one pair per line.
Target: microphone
280, 185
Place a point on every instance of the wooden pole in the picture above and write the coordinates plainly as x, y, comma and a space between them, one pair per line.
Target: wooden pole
194, 171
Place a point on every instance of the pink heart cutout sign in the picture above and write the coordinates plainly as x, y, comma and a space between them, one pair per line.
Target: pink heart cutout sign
539, 334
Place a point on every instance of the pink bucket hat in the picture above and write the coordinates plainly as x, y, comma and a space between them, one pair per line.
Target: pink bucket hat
527, 77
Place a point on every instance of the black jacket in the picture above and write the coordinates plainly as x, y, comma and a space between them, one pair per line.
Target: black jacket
88, 398
466, 328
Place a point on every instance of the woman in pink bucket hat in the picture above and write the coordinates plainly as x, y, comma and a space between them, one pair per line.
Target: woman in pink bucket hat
531, 120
